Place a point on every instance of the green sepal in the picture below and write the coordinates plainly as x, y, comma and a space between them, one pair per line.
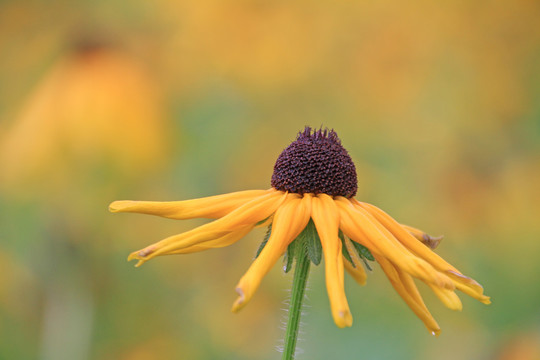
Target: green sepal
364, 254
310, 238
367, 264
309, 242
363, 251
265, 240
290, 254
344, 249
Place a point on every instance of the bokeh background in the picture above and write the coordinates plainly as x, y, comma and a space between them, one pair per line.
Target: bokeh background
438, 104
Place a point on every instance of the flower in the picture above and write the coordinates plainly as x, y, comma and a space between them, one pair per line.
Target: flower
314, 179
82, 118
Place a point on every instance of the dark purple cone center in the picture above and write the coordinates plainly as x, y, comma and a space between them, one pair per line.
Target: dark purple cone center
316, 162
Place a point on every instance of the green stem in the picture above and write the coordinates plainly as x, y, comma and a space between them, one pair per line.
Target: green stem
297, 297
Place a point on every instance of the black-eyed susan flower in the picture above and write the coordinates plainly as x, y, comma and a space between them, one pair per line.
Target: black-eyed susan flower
314, 182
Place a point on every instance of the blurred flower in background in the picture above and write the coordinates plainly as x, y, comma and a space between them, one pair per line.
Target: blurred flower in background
95, 108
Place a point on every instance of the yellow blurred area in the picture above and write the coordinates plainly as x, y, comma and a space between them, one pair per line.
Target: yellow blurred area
437, 103
95, 107
524, 347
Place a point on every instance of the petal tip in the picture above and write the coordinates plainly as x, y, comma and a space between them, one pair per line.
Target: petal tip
119, 205
136, 256
432, 241
344, 319
240, 301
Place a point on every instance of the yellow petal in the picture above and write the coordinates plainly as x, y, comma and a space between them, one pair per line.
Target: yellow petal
469, 286
447, 297
211, 207
349, 228
326, 218
223, 241
430, 241
289, 221
357, 272
390, 247
406, 238
414, 231
248, 214
480, 297
406, 288
466, 284
408, 282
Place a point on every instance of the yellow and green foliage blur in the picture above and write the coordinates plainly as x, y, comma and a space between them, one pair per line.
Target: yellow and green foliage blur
438, 104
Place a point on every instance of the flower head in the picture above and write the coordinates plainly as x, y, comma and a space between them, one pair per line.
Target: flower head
315, 163
315, 180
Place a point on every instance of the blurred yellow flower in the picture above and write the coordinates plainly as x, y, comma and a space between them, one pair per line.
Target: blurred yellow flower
314, 178
95, 107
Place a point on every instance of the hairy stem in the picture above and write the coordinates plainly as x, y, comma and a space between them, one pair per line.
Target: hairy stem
297, 297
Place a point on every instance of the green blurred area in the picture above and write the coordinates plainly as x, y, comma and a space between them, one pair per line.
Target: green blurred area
437, 103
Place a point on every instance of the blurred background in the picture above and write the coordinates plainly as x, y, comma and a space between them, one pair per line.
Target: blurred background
437, 103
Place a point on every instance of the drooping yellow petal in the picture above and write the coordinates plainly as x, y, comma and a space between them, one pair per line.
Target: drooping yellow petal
223, 241
414, 231
349, 228
408, 282
326, 218
475, 295
430, 241
448, 297
357, 271
406, 288
388, 246
405, 237
467, 285
289, 221
248, 214
211, 207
